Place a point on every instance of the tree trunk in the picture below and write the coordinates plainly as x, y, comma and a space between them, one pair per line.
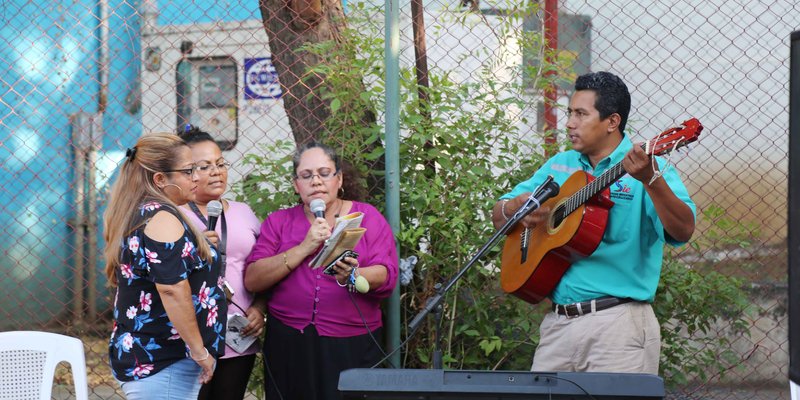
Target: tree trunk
290, 24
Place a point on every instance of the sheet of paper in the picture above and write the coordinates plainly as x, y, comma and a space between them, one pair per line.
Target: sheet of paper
345, 223
234, 338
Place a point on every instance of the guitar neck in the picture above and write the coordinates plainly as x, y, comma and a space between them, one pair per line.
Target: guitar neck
594, 187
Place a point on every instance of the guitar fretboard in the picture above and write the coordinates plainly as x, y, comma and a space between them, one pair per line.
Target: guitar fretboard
590, 190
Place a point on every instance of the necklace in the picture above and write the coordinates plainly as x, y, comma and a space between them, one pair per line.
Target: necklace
341, 203
338, 210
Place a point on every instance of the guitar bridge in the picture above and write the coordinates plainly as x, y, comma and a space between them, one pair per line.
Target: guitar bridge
525, 238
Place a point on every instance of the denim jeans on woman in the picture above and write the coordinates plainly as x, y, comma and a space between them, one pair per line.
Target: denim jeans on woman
179, 381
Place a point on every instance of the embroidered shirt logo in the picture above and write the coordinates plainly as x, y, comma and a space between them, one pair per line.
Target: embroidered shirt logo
621, 191
619, 186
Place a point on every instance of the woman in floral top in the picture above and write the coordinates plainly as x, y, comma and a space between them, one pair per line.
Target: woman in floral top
169, 309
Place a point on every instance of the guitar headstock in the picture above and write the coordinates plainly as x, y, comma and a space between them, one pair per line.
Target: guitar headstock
675, 138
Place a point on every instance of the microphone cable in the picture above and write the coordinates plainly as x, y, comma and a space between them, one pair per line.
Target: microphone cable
271, 378
400, 346
366, 326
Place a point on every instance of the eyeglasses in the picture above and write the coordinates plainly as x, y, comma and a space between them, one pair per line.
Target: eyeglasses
323, 174
185, 171
205, 169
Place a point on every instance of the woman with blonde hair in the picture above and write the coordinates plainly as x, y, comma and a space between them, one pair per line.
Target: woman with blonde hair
169, 308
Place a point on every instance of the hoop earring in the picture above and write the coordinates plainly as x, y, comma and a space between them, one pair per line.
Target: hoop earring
163, 188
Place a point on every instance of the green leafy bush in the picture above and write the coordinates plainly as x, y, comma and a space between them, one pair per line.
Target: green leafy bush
694, 301
688, 304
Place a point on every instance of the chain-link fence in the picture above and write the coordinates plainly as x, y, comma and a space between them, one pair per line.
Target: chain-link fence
83, 79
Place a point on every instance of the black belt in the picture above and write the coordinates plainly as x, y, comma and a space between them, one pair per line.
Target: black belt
585, 307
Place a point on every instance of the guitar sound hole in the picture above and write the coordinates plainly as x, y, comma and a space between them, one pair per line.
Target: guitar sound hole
558, 216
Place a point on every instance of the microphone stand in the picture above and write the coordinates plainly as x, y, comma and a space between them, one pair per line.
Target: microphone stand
545, 191
437, 333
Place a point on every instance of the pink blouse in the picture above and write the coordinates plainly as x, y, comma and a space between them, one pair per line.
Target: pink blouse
242, 233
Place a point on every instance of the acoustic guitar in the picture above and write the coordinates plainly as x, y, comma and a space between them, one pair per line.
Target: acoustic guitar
575, 225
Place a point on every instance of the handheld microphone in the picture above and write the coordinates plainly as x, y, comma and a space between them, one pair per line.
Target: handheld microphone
214, 209
362, 285
317, 207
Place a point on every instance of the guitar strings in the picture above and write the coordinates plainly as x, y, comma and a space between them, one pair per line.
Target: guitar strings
658, 173
612, 174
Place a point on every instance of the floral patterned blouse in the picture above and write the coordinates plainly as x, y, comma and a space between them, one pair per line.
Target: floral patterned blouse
143, 340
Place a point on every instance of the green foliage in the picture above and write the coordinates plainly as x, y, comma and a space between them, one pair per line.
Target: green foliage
725, 231
455, 155
269, 187
255, 386
689, 303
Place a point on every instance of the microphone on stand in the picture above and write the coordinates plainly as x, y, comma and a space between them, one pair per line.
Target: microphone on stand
317, 207
214, 209
543, 193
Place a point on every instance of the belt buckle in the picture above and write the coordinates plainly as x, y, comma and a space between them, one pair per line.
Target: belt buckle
566, 311
579, 308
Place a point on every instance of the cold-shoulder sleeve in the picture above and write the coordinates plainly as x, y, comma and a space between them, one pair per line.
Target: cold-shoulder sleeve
165, 263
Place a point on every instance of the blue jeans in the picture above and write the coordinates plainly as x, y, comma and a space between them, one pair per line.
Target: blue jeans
179, 381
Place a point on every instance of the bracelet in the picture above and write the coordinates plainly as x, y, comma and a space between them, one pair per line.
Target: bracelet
351, 278
199, 359
503, 209
286, 261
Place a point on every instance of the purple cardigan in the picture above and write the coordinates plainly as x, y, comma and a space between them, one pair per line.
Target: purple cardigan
307, 296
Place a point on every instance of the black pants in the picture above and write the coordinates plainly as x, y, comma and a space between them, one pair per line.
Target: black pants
306, 366
230, 379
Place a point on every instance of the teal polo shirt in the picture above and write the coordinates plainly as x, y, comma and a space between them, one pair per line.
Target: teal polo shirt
627, 263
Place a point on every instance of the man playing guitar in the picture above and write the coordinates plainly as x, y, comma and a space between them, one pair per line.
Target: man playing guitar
602, 320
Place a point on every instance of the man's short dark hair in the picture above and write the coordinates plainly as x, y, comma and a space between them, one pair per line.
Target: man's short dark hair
611, 95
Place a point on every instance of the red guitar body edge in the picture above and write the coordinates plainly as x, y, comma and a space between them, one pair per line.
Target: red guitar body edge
556, 261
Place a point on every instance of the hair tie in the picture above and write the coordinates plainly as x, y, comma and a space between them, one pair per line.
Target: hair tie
188, 128
131, 153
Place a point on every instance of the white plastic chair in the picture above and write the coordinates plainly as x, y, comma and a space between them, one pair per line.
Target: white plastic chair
28, 362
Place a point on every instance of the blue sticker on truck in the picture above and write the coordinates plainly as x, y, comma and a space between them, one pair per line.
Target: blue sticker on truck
261, 79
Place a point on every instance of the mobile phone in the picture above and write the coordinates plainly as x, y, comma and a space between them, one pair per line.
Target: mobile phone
347, 253
226, 287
